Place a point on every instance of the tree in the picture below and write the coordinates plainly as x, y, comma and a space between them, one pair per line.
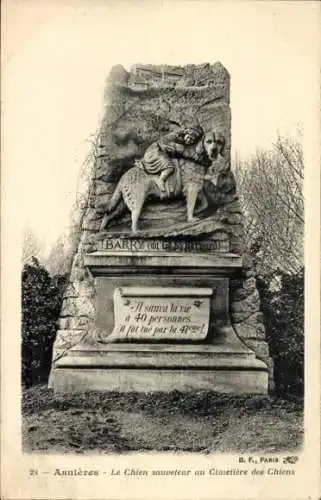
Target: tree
59, 260
32, 248
270, 186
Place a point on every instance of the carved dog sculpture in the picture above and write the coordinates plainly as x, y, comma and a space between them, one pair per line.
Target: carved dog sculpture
136, 185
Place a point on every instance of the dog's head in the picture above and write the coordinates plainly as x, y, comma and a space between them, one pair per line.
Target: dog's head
214, 144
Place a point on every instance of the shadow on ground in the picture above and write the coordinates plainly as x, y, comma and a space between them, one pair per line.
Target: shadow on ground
205, 422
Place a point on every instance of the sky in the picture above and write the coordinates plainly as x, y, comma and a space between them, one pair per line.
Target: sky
57, 56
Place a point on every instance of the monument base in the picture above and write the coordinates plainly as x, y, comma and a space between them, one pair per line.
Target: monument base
161, 324
160, 367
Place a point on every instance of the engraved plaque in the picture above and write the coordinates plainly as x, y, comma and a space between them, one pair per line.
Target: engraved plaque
219, 244
161, 313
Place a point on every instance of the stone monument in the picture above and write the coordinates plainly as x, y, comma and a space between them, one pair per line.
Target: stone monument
161, 294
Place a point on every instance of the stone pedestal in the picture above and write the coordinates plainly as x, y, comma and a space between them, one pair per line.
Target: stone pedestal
169, 302
181, 337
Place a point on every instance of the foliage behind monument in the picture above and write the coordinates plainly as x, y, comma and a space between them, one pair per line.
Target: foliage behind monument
40, 303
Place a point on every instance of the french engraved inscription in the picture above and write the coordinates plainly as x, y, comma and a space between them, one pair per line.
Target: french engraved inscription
136, 245
171, 315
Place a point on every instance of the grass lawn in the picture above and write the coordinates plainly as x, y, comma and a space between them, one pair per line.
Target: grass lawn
205, 422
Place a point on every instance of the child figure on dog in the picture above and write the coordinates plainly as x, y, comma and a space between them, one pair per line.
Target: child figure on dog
178, 144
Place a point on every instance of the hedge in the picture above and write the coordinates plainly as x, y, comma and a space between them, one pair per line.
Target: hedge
283, 310
41, 302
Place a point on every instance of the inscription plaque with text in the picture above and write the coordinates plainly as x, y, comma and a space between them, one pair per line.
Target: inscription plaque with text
161, 313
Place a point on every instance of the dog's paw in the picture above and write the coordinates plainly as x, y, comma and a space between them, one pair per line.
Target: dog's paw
193, 219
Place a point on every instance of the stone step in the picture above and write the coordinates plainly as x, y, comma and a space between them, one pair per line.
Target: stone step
245, 378
157, 361
163, 356
205, 350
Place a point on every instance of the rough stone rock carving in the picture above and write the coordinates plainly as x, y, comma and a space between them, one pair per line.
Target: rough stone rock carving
175, 165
